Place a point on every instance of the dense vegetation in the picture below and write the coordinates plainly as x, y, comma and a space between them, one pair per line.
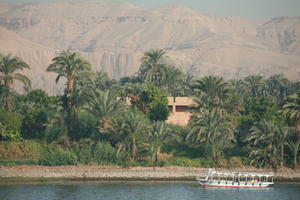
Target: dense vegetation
250, 121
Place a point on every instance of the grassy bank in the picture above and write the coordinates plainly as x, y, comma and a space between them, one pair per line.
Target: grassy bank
30, 152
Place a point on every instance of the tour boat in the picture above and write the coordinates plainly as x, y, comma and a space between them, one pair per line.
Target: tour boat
236, 179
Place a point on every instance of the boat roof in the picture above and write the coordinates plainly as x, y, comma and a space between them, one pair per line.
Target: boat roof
226, 173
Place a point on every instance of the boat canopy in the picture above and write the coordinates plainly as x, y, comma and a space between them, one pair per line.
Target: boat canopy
246, 174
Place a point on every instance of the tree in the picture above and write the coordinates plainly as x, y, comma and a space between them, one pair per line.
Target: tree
278, 87
237, 87
104, 106
269, 138
158, 135
282, 137
292, 109
128, 129
10, 125
173, 81
2, 96
102, 81
35, 121
255, 85
256, 109
188, 81
294, 148
153, 67
154, 103
212, 86
214, 130
131, 91
212, 94
8, 67
36, 108
69, 65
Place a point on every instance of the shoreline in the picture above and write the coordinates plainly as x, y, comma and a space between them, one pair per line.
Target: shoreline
113, 173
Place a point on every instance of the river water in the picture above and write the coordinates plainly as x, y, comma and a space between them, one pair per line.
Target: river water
142, 191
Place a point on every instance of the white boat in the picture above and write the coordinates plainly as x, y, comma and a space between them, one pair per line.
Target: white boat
236, 179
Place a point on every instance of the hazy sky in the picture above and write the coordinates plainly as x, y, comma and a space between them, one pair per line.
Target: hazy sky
246, 8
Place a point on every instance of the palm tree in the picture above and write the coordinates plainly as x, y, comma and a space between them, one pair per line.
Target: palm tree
60, 119
187, 82
8, 67
153, 67
292, 109
132, 92
102, 81
71, 66
104, 106
263, 137
214, 130
282, 137
213, 86
129, 129
2, 92
237, 87
159, 134
294, 148
173, 81
278, 87
255, 85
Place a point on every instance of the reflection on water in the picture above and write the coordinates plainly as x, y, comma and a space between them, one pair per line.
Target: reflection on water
143, 191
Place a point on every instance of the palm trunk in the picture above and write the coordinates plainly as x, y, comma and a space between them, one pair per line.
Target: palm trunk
297, 128
295, 152
70, 110
70, 88
7, 100
133, 150
66, 138
157, 154
295, 161
215, 156
281, 155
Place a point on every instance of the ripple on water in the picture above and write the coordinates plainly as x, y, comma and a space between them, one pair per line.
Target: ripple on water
143, 191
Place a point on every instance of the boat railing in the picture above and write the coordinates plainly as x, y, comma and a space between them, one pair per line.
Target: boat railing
238, 177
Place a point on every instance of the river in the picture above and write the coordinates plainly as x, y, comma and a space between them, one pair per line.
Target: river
142, 191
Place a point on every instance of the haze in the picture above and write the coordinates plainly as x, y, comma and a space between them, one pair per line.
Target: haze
245, 8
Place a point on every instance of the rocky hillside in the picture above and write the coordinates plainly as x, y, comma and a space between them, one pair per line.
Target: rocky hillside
113, 37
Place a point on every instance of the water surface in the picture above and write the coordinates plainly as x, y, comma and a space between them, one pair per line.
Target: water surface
142, 191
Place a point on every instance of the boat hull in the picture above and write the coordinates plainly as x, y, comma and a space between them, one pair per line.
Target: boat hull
242, 184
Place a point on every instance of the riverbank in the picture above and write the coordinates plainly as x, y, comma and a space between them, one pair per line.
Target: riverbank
45, 173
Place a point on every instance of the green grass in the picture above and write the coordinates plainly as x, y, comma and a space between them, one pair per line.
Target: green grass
17, 162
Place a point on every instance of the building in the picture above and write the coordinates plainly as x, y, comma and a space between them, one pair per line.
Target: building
178, 107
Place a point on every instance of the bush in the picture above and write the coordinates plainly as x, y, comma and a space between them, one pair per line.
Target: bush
235, 162
204, 162
27, 149
183, 162
188, 162
58, 157
162, 163
104, 153
84, 153
10, 125
10, 120
9, 135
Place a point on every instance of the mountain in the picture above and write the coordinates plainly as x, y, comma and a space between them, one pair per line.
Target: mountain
282, 33
114, 35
